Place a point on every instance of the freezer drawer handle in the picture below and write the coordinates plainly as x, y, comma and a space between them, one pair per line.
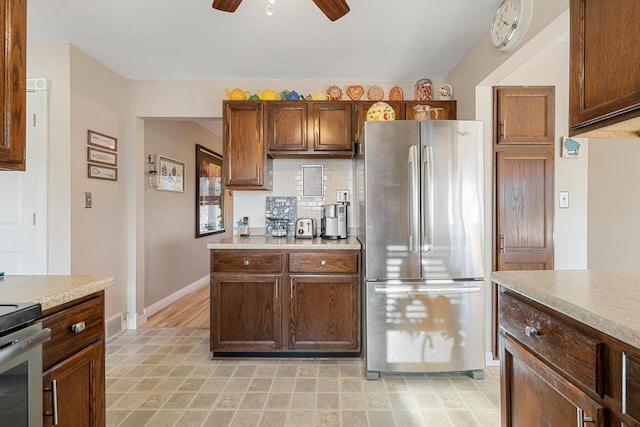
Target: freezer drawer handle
411, 290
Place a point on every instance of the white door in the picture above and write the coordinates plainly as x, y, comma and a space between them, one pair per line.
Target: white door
23, 232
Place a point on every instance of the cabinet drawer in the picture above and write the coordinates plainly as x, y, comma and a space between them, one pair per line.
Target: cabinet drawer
72, 329
325, 262
559, 344
245, 262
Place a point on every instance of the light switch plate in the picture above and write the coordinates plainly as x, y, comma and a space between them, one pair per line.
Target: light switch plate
88, 200
564, 199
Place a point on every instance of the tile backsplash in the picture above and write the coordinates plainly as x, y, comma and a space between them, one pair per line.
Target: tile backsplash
287, 181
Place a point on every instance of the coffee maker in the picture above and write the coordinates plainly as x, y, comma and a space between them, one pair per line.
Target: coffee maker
334, 221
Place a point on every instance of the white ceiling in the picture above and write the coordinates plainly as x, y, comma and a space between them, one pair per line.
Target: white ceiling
187, 39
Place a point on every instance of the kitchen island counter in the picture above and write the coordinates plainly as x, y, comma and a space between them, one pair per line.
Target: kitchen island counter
606, 300
51, 291
268, 242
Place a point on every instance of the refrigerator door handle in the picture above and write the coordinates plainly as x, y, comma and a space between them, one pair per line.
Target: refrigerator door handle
426, 290
428, 200
414, 199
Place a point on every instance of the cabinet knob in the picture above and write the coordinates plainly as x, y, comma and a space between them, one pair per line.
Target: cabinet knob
531, 332
246, 262
76, 328
323, 262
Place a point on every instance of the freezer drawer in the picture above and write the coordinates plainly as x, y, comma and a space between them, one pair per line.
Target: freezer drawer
420, 327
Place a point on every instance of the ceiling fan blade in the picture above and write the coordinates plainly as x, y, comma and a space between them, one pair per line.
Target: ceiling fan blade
226, 5
334, 9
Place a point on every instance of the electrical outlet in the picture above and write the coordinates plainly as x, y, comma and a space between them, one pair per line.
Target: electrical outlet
342, 196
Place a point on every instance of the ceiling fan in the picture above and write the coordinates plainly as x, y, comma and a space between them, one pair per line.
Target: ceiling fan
333, 9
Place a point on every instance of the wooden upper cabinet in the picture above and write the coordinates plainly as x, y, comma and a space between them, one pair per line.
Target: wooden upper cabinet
362, 107
525, 114
287, 126
246, 165
446, 109
604, 64
13, 59
331, 126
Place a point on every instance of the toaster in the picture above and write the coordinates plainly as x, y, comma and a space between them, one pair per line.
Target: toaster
305, 228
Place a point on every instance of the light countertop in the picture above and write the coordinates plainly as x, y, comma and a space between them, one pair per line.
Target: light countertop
268, 242
51, 291
606, 300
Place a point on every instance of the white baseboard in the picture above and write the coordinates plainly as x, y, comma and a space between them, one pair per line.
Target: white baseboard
165, 302
490, 361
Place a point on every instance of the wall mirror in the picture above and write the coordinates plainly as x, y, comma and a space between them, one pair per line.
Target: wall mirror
209, 194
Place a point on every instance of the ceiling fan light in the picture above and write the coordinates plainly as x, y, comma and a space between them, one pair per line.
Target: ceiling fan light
269, 10
271, 2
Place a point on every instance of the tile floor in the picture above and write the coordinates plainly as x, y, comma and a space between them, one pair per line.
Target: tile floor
165, 377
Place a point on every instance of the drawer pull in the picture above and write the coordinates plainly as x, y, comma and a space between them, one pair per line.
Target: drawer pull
323, 262
531, 332
76, 328
246, 262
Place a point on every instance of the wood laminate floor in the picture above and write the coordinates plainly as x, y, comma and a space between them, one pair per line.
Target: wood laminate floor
190, 311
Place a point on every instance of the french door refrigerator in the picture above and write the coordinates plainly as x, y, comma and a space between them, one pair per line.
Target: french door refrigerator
419, 215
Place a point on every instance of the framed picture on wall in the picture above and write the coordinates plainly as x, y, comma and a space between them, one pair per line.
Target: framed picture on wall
101, 140
103, 157
102, 172
171, 174
209, 192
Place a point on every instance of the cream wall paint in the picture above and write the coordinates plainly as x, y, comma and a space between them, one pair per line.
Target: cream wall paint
614, 203
174, 257
53, 62
98, 235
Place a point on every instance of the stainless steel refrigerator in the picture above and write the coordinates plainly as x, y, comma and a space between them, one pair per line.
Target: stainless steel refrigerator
419, 214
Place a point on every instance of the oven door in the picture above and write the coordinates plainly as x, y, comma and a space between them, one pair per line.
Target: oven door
21, 376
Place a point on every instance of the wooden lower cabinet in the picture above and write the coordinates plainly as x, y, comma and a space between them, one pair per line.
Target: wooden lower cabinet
266, 302
535, 395
74, 363
556, 371
323, 312
80, 389
246, 312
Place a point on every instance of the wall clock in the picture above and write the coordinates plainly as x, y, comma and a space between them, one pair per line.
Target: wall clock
510, 23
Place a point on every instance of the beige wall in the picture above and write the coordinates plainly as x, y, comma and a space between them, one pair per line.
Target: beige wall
98, 235
84, 95
174, 257
614, 203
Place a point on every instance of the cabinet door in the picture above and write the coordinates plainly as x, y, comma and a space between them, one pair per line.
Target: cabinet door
534, 395
287, 126
524, 197
79, 389
446, 109
525, 114
361, 113
324, 312
13, 84
331, 126
246, 312
245, 151
604, 62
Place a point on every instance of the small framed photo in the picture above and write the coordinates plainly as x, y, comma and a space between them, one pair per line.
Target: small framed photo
171, 173
102, 172
312, 181
102, 157
102, 140
571, 146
